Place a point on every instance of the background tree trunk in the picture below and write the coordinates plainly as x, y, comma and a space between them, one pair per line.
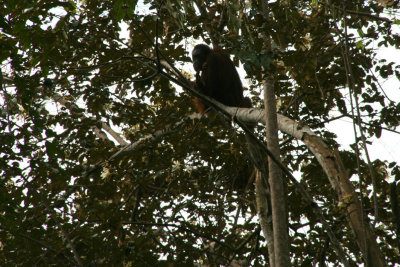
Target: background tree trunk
279, 212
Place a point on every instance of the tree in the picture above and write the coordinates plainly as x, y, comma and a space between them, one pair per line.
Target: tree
103, 162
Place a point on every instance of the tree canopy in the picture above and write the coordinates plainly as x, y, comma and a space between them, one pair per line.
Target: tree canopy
103, 161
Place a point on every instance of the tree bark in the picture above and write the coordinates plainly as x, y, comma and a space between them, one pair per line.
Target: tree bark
279, 213
263, 212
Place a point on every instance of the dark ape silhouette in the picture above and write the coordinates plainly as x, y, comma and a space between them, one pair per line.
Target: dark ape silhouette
217, 77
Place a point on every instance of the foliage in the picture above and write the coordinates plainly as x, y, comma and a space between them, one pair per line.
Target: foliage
185, 197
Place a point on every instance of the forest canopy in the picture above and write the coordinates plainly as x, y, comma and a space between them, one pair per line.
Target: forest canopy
105, 161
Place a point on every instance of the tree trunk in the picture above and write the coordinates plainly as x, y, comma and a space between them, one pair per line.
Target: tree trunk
279, 213
263, 212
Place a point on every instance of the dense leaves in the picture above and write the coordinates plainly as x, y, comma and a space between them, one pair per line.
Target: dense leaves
185, 195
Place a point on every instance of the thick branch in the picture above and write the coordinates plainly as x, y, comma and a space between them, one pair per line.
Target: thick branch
338, 177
